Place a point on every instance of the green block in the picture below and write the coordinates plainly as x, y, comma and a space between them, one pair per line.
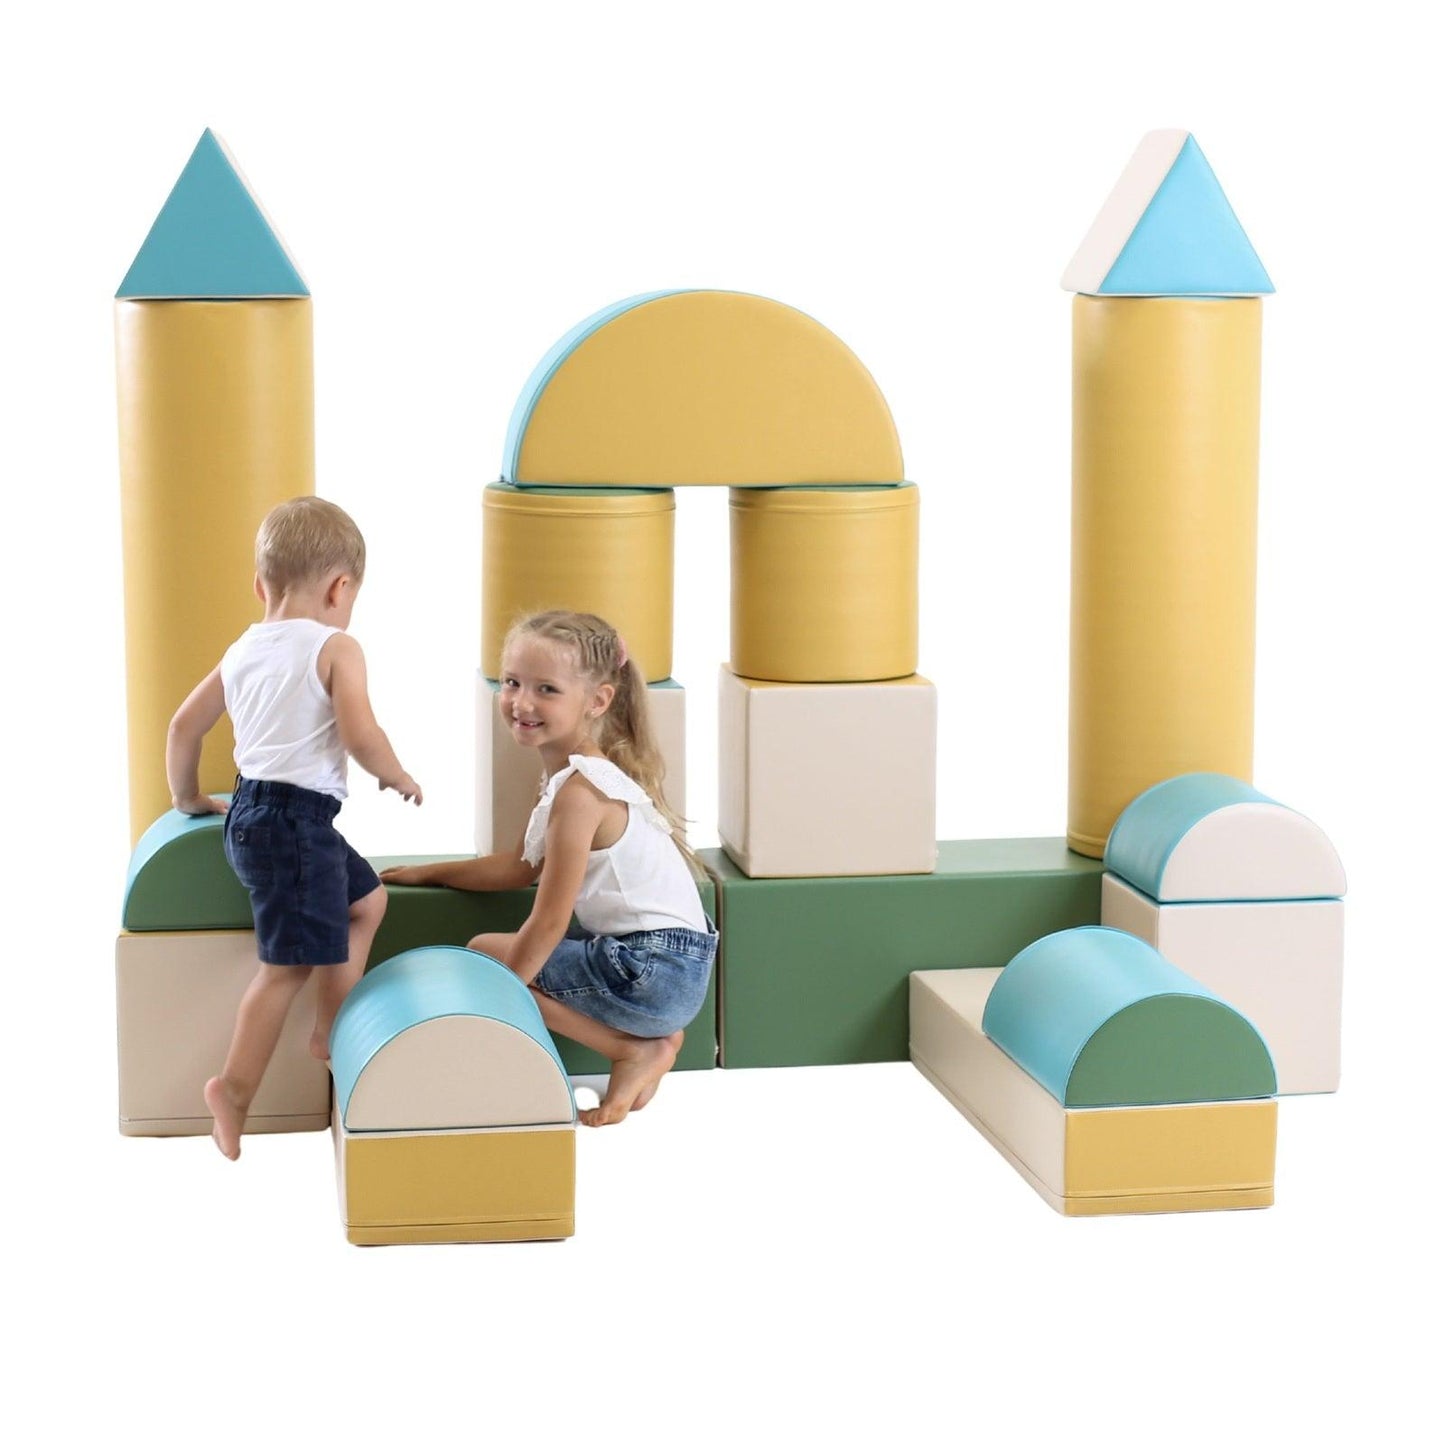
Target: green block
417, 917
815, 970
179, 879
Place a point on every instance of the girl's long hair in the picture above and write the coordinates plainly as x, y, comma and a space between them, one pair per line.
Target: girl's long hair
625, 730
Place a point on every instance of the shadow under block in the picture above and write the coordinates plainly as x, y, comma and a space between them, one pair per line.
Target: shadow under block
509, 776
827, 779
1134, 1160
1281, 964
456, 1186
815, 970
416, 917
176, 1001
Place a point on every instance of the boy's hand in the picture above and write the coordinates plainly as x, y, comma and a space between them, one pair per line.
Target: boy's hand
199, 806
404, 784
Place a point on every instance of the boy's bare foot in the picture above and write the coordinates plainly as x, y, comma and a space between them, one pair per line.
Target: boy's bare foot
321, 1044
634, 1077
229, 1114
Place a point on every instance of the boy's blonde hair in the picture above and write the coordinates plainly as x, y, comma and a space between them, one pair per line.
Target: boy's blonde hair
625, 730
305, 539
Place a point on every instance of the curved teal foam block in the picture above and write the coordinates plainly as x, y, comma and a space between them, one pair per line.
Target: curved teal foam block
547, 368
1101, 1019
1188, 242
211, 239
422, 984
179, 878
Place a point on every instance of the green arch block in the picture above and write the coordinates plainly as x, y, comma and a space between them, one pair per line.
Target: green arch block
179, 878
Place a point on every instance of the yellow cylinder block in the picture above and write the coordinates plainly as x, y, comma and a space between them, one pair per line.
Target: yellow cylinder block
216, 427
825, 583
607, 552
1166, 465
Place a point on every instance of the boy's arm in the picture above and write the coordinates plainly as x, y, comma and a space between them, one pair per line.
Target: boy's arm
195, 717
342, 669
478, 875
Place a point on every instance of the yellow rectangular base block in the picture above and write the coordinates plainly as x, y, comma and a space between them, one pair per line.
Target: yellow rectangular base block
466, 1186
822, 780
176, 1000
509, 777
1169, 1158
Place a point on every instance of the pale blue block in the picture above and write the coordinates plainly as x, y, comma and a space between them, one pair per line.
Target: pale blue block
1188, 241
211, 240
427, 983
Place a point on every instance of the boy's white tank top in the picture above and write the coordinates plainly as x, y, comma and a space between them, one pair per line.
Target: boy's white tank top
641, 882
285, 724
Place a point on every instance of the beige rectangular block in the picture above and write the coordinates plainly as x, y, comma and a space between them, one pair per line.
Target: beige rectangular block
1280, 964
821, 780
509, 777
176, 1000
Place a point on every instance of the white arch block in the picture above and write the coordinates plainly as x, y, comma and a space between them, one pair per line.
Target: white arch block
1253, 851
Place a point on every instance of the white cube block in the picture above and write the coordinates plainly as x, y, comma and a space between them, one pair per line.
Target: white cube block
827, 779
1280, 964
509, 777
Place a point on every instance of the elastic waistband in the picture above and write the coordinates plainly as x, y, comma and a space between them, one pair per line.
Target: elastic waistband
678, 940
304, 802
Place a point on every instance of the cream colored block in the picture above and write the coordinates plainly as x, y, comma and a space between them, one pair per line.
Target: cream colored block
509, 776
176, 1001
827, 779
1280, 964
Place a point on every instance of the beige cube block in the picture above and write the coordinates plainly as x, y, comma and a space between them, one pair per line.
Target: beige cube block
1280, 964
827, 779
509, 777
176, 999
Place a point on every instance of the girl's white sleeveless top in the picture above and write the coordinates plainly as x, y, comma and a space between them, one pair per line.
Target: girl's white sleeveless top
641, 882
285, 724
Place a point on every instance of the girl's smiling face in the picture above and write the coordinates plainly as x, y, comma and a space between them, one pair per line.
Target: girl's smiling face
544, 698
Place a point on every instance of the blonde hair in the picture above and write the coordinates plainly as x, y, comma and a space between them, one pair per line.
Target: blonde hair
305, 539
625, 730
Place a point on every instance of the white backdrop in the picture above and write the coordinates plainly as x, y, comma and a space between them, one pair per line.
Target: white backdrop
824, 1250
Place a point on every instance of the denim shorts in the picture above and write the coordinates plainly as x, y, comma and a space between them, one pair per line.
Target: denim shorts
302, 875
647, 984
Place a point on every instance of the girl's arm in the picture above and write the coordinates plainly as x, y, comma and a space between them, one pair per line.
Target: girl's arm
195, 717
487, 874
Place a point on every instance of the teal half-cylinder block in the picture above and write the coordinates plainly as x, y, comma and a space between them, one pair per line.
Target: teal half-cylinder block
211, 240
179, 879
422, 984
1101, 1019
815, 970
1148, 831
1188, 242
547, 368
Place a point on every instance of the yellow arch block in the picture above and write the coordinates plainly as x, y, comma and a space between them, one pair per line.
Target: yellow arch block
1166, 468
215, 428
701, 388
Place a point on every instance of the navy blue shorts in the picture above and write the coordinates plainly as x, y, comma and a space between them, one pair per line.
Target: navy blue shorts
302, 875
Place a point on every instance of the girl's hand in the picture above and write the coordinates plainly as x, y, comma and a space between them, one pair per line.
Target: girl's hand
201, 806
410, 875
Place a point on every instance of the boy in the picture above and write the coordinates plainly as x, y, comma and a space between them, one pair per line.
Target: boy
295, 687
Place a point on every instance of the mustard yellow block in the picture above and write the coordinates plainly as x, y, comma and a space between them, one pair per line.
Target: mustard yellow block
1166, 462
710, 388
215, 428
825, 583
603, 552
464, 1186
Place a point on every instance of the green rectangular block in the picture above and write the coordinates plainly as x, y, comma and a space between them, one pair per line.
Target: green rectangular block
815, 970
416, 917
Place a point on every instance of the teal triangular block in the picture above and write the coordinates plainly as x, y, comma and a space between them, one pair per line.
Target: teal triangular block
1188, 241
211, 239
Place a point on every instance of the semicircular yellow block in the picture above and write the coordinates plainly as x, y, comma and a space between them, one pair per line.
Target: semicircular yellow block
707, 388
825, 583
606, 552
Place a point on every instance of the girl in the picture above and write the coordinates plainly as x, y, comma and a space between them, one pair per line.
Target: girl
607, 848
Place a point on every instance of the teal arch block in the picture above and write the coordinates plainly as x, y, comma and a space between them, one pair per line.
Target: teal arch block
179, 879
1101, 1019
1148, 831
211, 239
1188, 242
427, 983
548, 367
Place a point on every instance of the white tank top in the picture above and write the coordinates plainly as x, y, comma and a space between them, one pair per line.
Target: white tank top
285, 725
641, 882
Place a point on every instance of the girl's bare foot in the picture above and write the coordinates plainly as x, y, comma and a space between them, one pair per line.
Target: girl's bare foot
229, 1113
634, 1077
